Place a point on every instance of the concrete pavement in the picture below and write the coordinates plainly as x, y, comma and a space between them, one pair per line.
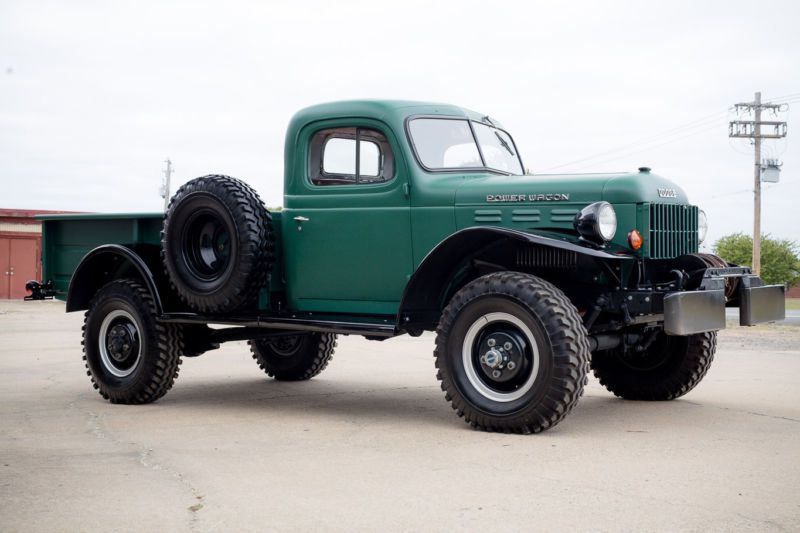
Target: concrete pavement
792, 316
372, 444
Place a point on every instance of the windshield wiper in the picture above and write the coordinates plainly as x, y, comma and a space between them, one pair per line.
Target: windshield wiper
504, 143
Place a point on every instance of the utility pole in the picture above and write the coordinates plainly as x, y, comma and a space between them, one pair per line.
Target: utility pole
757, 187
751, 129
165, 185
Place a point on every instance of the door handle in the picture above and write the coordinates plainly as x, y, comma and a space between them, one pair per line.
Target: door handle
300, 219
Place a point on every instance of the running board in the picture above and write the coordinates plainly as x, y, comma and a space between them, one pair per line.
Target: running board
374, 328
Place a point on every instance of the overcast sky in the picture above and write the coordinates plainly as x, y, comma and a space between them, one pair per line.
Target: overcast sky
95, 95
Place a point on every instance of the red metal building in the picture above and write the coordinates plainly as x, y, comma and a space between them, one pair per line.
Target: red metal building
20, 250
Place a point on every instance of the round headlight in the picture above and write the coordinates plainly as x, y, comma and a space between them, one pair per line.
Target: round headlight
607, 222
596, 222
702, 225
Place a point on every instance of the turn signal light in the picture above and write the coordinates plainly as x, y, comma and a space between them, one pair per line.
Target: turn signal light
635, 239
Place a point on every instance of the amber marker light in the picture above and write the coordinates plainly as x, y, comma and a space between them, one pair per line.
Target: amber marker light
635, 239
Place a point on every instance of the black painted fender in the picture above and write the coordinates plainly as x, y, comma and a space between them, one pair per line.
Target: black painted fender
421, 301
107, 263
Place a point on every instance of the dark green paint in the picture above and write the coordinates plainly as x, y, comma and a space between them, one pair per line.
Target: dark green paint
67, 238
361, 243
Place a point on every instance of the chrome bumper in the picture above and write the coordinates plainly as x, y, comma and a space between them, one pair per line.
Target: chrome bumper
762, 304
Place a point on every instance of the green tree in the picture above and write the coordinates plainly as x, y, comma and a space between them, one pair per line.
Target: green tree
780, 263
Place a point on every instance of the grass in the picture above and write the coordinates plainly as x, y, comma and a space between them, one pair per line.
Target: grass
793, 303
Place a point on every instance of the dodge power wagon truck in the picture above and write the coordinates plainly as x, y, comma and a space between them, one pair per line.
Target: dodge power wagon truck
399, 218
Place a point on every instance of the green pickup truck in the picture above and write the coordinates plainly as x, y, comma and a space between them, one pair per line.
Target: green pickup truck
399, 218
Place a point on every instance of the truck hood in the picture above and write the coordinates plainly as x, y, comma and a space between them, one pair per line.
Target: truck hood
569, 188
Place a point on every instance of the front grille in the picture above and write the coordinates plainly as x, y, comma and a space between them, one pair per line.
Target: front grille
673, 230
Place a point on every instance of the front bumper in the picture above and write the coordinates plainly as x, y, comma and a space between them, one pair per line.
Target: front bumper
689, 312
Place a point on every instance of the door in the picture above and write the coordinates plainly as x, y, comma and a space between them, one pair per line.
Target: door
347, 229
5, 264
18, 259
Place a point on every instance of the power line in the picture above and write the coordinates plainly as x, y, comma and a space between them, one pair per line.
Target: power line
650, 138
724, 195
785, 96
790, 98
707, 127
767, 187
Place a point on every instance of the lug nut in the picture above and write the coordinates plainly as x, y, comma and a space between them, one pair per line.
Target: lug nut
491, 343
507, 346
511, 365
496, 374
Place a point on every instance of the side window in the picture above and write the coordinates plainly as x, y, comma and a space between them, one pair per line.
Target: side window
349, 156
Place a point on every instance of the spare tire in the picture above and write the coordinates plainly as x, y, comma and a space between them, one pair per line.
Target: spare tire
217, 243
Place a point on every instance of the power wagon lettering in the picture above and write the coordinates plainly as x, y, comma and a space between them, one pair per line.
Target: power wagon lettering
549, 197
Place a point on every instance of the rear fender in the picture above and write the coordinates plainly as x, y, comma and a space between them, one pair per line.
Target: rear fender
113, 261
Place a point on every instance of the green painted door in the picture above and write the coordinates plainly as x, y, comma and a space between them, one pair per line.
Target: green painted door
347, 228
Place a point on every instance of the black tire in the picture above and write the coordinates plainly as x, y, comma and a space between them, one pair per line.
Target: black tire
217, 244
295, 358
144, 369
538, 327
668, 369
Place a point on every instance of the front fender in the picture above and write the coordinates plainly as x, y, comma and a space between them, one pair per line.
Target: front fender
423, 296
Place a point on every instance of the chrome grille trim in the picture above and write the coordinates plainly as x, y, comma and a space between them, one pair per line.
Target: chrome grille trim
673, 230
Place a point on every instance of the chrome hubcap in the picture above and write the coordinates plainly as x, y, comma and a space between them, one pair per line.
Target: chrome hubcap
500, 357
119, 343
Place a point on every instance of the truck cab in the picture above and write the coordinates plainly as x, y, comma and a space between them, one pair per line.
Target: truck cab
403, 217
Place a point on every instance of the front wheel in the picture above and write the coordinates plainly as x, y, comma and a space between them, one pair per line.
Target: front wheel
669, 368
512, 353
130, 356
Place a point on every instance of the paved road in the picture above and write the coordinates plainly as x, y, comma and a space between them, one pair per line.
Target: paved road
371, 444
792, 316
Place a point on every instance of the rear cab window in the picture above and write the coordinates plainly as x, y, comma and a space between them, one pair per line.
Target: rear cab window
350, 156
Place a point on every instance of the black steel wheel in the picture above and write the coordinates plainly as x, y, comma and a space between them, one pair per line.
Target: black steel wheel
512, 353
669, 368
294, 357
130, 357
217, 243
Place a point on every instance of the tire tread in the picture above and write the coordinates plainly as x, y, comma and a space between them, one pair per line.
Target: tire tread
168, 339
250, 215
695, 363
310, 362
569, 345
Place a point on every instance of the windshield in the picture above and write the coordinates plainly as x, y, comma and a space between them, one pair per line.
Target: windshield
452, 143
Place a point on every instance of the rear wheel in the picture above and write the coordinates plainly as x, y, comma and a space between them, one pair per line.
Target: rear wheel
512, 353
295, 357
130, 357
667, 369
